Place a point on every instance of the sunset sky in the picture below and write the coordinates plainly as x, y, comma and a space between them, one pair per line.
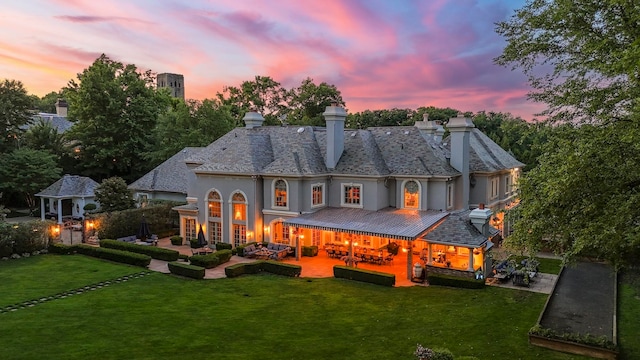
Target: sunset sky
380, 54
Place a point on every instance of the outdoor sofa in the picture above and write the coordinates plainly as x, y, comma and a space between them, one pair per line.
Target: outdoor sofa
278, 251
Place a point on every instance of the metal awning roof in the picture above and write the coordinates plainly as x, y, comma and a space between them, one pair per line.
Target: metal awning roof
392, 223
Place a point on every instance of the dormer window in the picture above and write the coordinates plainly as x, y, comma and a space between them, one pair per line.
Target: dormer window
411, 195
351, 195
280, 190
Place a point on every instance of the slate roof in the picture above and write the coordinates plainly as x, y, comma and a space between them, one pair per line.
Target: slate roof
390, 222
60, 123
70, 186
300, 151
457, 229
170, 176
486, 155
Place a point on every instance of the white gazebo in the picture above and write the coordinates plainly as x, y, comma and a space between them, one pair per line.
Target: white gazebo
74, 191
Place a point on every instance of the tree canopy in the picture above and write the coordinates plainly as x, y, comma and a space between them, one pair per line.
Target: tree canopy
114, 109
190, 123
15, 104
113, 195
27, 171
581, 57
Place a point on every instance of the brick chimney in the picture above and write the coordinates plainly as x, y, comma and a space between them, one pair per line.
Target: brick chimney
460, 128
252, 119
61, 107
334, 116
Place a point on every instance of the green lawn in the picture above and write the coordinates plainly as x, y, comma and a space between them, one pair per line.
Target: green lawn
629, 315
262, 316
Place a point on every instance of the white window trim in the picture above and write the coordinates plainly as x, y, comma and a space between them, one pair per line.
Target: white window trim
404, 183
450, 199
183, 226
507, 185
342, 190
232, 220
322, 185
207, 218
273, 195
495, 185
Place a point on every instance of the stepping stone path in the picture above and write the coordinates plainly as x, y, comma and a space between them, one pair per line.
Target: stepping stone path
78, 291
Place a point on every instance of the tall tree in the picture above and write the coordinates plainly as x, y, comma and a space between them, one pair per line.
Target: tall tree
112, 194
263, 95
581, 56
27, 171
307, 102
44, 136
191, 123
114, 109
15, 104
47, 103
581, 59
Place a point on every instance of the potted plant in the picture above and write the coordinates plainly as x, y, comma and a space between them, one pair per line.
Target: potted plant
176, 240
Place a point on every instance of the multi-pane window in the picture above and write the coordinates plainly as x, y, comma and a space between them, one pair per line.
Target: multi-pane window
315, 237
317, 195
280, 193
239, 235
449, 196
215, 232
215, 205
507, 185
494, 187
239, 221
411, 195
351, 194
282, 233
190, 231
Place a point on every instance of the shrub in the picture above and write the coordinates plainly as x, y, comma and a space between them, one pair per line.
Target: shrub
59, 248
26, 237
166, 233
373, 277
272, 267
310, 251
223, 246
114, 255
160, 217
210, 261
194, 243
279, 268
89, 207
176, 240
453, 281
183, 257
182, 269
586, 339
240, 249
153, 251
442, 354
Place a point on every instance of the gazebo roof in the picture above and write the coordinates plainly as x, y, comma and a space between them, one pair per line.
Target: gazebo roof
70, 186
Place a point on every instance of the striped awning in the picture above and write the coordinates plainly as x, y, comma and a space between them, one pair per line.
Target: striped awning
399, 224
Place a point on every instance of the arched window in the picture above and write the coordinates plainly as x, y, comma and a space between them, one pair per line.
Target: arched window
215, 217
239, 221
411, 195
280, 193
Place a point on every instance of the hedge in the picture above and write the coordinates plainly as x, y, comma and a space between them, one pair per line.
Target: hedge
373, 277
153, 251
223, 246
182, 269
60, 248
176, 240
114, 255
453, 281
269, 266
210, 261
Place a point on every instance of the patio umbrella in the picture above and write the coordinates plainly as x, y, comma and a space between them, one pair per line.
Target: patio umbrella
143, 231
201, 240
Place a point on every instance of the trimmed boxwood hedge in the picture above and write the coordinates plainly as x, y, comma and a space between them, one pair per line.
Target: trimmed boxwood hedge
211, 260
223, 246
176, 240
59, 248
182, 269
153, 251
114, 255
373, 277
269, 266
453, 281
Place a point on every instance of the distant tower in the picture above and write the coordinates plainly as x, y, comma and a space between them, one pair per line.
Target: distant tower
173, 82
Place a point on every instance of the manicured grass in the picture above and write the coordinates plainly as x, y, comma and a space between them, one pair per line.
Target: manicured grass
547, 266
269, 317
629, 316
36, 276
